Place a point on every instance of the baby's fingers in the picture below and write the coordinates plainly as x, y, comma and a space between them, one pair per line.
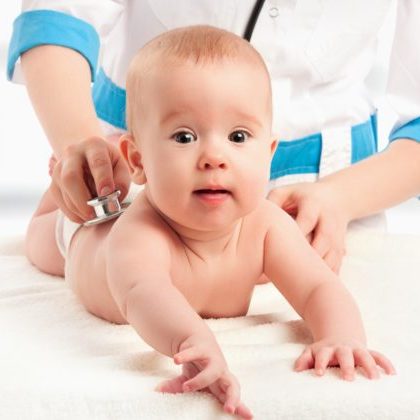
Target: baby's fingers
243, 411
345, 359
202, 380
322, 359
190, 354
305, 360
227, 391
232, 395
172, 386
232, 404
383, 362
365, 360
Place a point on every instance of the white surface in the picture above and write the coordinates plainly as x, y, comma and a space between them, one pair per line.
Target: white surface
405, 218
58, 362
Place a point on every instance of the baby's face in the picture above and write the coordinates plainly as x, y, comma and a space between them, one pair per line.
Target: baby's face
205, 141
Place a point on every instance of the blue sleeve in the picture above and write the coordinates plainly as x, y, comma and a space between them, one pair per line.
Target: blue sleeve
48, 27
410, 130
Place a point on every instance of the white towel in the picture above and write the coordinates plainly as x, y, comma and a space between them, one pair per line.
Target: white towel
58, 362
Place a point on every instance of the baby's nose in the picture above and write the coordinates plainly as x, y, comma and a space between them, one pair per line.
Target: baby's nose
212, 160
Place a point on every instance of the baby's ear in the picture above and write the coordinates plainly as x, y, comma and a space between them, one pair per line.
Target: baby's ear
132, 156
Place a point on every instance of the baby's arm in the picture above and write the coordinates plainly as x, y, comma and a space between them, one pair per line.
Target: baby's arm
138, 273
321, 300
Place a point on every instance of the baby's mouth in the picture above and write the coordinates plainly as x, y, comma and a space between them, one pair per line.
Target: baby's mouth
211, 191
212, 197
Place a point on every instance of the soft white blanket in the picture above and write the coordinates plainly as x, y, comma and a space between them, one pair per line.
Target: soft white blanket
59, 362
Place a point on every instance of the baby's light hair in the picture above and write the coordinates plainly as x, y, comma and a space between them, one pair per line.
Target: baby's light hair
197, 44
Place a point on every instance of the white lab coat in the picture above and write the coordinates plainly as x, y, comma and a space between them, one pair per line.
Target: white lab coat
319, 54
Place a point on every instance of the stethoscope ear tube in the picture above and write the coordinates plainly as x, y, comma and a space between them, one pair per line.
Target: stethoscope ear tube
253, 20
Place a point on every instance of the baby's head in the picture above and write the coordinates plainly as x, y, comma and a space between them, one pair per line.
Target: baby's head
199, 124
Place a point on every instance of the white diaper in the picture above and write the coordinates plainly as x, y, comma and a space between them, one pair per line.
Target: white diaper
65, 228
64, 232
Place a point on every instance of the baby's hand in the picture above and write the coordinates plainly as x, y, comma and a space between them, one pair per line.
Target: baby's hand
204, 368
345, 354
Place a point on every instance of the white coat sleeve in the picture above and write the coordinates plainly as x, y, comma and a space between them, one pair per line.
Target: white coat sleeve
76, 24
403, 90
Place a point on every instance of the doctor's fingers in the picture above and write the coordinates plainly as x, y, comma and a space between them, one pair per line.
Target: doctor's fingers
328, 235
108, 170
284, 197
51, 165
69, 185
70, 212
295, 201
101, 157
333, 258
307, 216
65, 204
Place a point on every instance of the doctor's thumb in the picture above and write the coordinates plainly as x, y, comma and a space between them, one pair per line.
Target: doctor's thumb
282, 196
306, 217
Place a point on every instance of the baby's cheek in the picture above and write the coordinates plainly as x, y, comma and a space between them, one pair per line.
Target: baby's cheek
253, 191
171, 195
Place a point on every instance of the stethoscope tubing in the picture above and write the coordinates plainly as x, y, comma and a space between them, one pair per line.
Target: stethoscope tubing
253, 20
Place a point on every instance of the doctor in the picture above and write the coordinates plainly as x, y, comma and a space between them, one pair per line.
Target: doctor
319, 55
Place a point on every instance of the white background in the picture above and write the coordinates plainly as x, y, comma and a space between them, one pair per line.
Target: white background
24, 150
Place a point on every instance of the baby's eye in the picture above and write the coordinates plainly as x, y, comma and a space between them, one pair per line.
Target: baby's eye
184, 137
238, 136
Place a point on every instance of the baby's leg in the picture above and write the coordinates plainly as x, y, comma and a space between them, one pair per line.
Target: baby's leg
40, 244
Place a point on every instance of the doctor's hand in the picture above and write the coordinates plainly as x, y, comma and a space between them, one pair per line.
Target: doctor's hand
91, 168
315, 207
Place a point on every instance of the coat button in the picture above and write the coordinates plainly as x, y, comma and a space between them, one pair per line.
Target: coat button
273, 12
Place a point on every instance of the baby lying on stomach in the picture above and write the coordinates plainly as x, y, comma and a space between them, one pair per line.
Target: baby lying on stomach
196, 240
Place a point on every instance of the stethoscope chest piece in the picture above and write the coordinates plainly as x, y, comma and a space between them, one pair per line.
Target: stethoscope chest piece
106, 208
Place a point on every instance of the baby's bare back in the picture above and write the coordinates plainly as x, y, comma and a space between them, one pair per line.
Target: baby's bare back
215, 283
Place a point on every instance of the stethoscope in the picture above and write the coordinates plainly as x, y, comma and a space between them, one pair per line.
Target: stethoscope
108, 207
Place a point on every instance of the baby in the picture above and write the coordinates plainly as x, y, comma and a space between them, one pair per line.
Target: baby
196, 239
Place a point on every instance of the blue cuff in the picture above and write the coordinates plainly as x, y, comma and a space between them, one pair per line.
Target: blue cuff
109, 100
411, 130
47, 27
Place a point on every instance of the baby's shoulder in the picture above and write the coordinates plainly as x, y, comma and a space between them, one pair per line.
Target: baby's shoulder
141, 223
269, 213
